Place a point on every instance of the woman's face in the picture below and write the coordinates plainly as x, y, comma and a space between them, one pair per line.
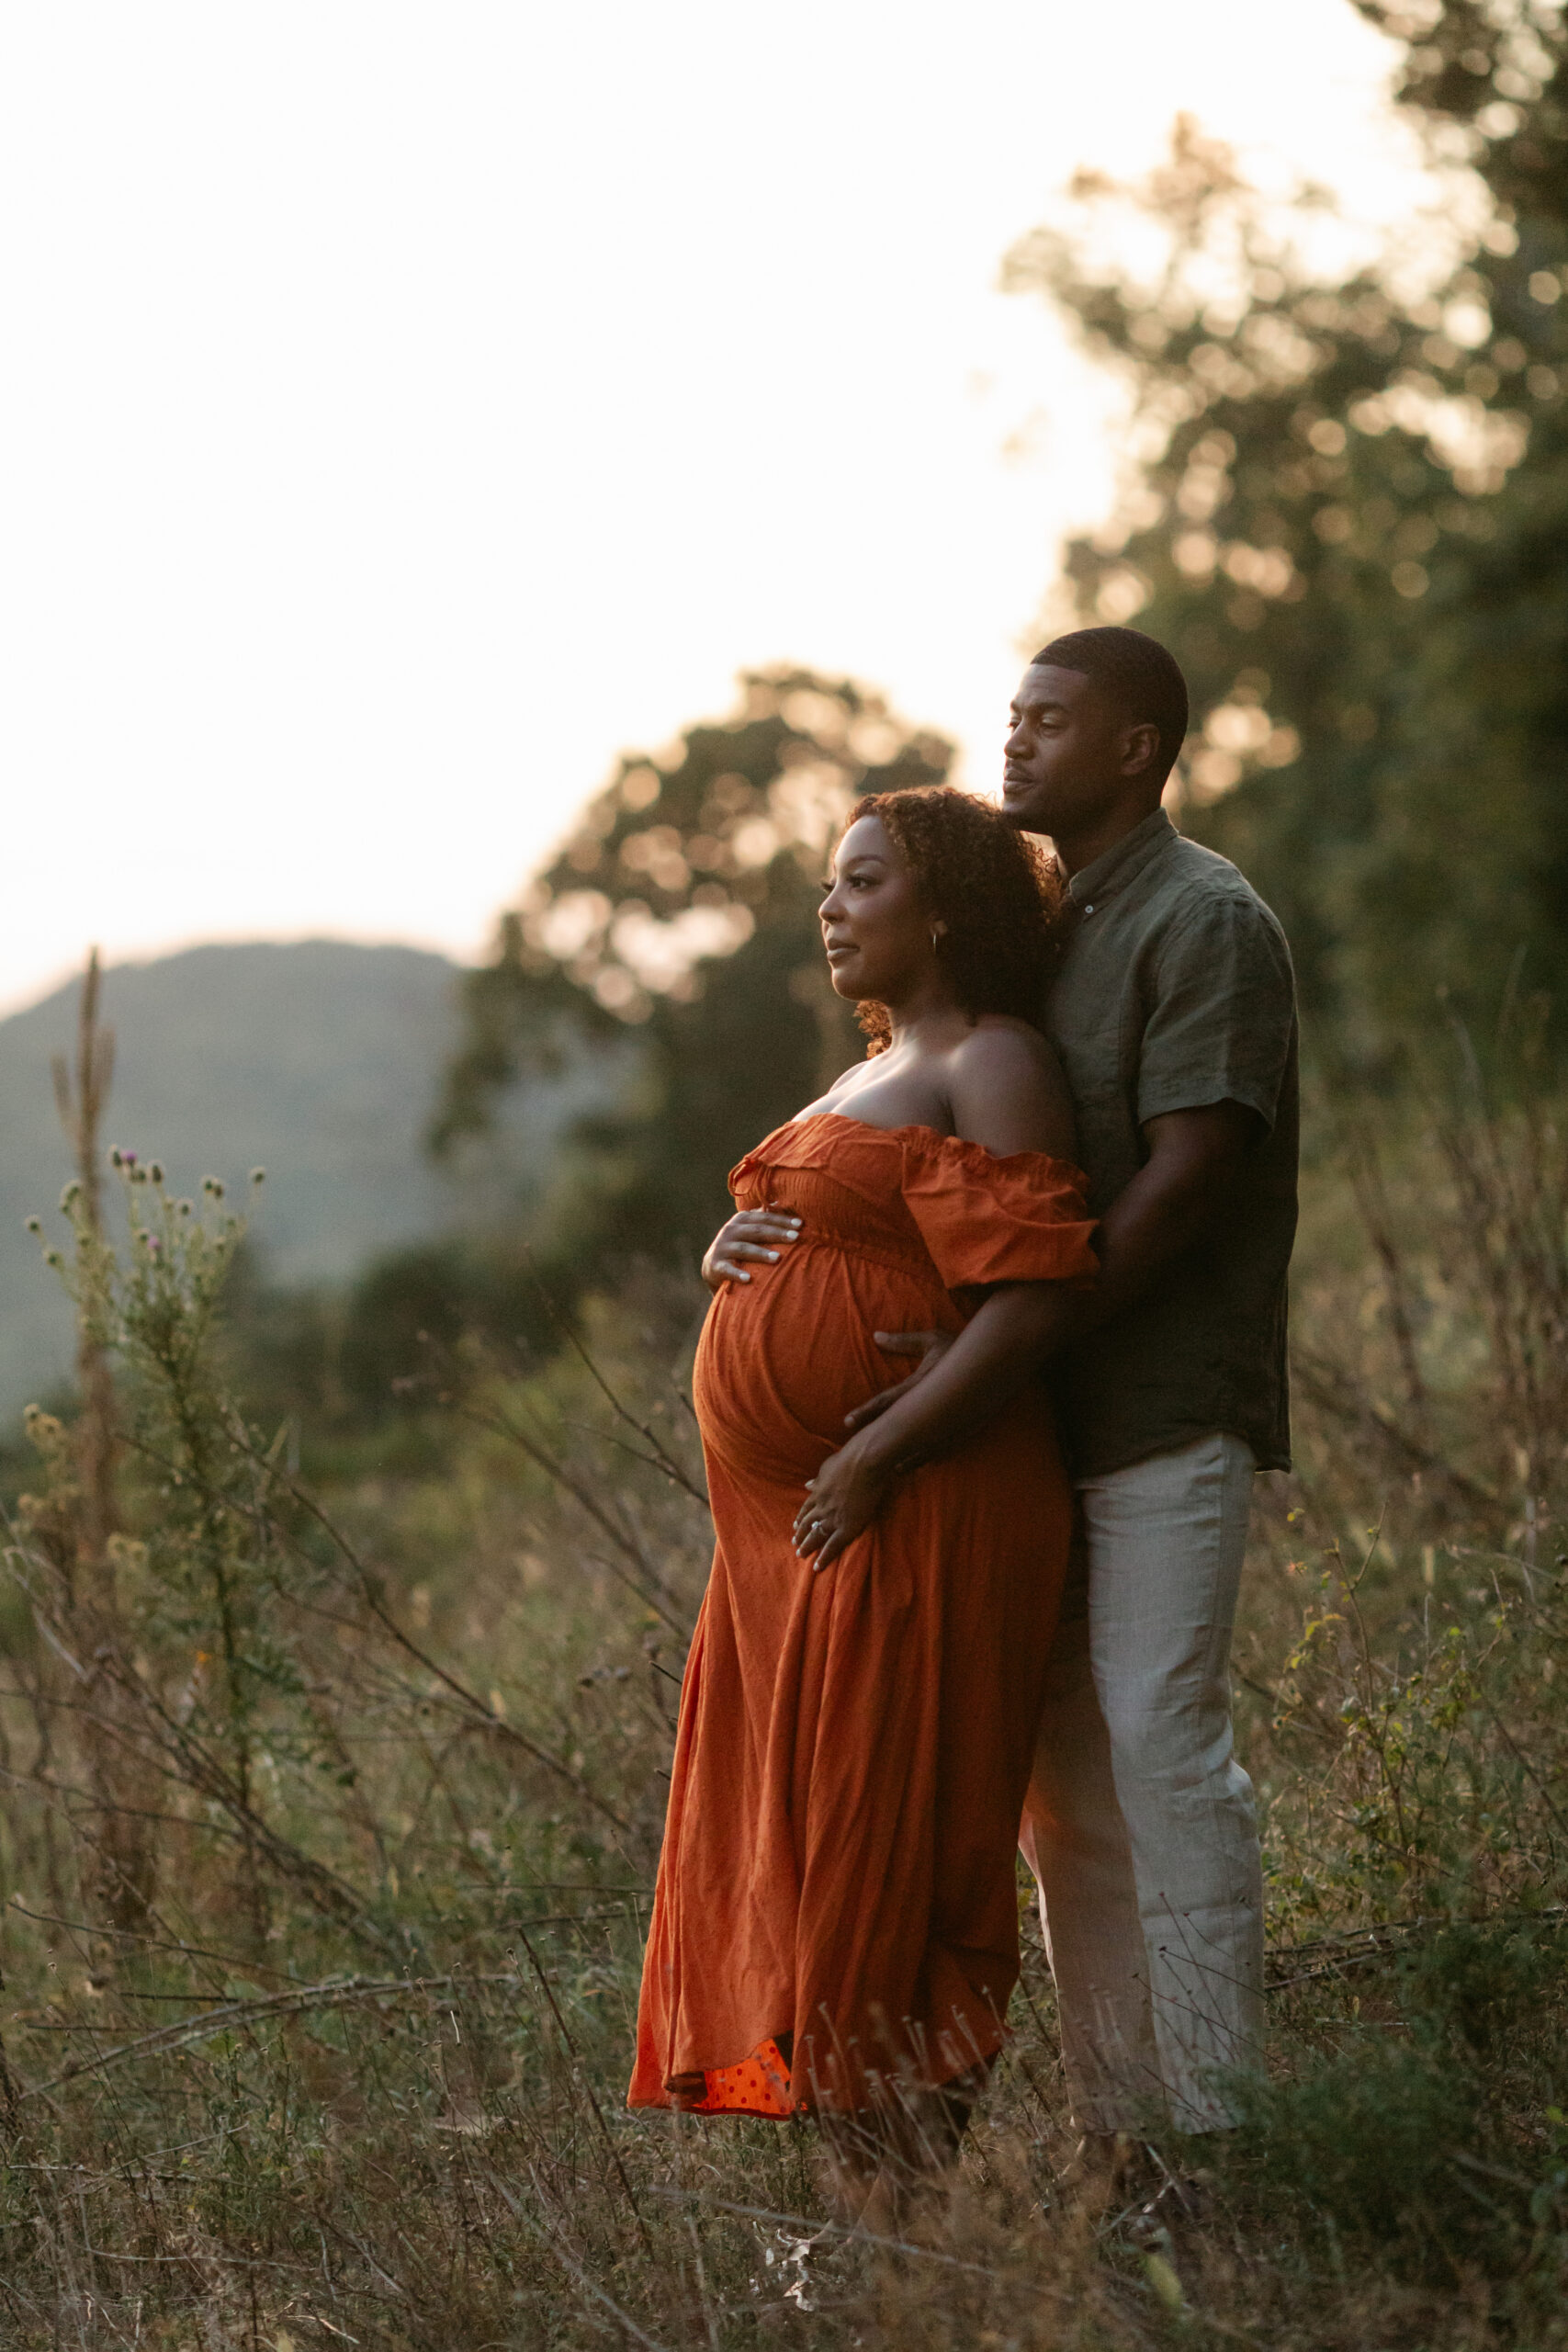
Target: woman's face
876, 933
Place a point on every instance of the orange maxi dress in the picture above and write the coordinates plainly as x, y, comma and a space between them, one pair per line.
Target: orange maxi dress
836, 1908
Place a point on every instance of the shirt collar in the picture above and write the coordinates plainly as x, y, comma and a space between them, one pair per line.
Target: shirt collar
1124, 861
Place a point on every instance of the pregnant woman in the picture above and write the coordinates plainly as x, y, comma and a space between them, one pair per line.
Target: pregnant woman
835, 1929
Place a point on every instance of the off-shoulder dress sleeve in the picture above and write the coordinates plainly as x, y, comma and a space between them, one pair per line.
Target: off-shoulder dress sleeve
984, 1219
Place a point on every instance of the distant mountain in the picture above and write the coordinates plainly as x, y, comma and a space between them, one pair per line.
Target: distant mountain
316, 1062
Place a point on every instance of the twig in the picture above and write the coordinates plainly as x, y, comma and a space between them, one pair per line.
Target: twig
1358, 1948
649, 1600
202, 1771
369, 1588
184, 2033
660, 1459
571, 2265
550, 1994
1511, 1744
1371, 1201
1334, 1390
178, 1752
192, 2262
499, 1425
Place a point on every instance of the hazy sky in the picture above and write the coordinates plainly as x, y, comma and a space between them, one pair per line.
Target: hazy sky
406, 406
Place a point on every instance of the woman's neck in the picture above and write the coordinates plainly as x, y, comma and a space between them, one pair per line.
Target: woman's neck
927, 1019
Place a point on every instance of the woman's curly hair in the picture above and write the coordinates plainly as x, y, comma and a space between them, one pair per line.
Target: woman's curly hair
999, 894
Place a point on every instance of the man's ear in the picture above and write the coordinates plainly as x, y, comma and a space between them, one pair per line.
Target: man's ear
1140, 748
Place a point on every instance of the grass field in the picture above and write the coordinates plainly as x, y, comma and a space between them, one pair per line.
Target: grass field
334, 1804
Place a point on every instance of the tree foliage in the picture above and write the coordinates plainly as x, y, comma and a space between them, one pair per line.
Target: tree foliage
1348, 514
675, 941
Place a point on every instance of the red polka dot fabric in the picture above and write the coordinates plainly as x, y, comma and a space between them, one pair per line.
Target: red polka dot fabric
758, 2085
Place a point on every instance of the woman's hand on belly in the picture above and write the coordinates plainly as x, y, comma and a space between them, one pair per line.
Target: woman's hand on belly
753, 1234
841, 1502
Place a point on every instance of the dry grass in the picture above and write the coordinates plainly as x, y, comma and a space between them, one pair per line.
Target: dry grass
350, 2069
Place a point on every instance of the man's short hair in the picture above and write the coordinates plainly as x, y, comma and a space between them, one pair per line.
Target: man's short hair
1138, 674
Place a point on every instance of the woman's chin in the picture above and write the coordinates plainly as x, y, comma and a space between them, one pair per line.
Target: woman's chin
845, 984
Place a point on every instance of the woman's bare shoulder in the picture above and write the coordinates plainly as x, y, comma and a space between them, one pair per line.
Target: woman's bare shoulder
1000, 1046
1008, 1089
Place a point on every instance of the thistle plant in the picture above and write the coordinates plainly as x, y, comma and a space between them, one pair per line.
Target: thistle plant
201, 1680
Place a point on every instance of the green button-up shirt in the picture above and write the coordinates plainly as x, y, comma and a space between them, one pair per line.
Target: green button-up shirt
1177, 992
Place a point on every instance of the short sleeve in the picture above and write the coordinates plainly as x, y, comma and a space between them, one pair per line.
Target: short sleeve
1223, 1024
1018, 1219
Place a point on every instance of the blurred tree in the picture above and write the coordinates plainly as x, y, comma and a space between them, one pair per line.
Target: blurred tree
337, 1365
1347, 512
676, 936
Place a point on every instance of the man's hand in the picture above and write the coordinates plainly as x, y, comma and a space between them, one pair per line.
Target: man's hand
840, 1502
928, 1346
1178, 1197
754, 1233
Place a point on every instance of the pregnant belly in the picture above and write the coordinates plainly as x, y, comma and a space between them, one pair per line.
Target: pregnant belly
785, 1357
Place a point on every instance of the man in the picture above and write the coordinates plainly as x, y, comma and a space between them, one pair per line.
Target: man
1173, 1015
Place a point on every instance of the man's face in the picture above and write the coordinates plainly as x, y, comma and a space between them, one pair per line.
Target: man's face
1071, 757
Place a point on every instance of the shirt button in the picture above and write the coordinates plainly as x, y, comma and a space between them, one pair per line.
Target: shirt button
1088, 911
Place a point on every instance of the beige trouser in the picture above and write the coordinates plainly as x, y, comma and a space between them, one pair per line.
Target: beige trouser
1139, 1822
